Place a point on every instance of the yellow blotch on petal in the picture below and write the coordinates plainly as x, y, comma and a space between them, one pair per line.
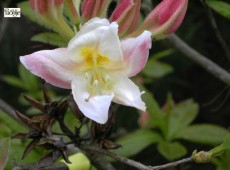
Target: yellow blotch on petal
93, 58
101, 60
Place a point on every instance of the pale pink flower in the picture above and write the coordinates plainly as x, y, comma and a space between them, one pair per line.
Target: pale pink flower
96, 65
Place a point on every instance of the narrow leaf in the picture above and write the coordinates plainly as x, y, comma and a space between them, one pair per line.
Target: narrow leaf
135, 142
221, 7
50, 38
4, 152
14, 81
204, 133
171, 151
157, 69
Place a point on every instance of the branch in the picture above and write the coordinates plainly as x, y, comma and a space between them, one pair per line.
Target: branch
56, 166
9, 110
203, 61
133, 163
217, 31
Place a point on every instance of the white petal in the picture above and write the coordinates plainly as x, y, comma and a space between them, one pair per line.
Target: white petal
127, 93
104, 40
91, 25
97, 107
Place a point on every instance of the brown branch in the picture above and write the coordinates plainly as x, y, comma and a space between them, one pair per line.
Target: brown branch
9, 110
56, 166
133, 163
200, 59
172, 164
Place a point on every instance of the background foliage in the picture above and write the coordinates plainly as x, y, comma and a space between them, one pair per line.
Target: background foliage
189, 110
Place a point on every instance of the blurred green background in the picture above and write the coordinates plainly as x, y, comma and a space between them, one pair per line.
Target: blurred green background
168, 74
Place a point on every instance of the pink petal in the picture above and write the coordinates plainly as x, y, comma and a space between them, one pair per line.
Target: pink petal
51, 65
136, 52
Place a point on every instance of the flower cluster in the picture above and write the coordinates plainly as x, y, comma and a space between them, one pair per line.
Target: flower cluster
97, 64
164, 19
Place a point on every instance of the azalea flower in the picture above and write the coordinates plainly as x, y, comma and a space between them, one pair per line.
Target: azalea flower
97, 66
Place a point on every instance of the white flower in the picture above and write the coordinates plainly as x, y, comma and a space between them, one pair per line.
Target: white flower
96, 65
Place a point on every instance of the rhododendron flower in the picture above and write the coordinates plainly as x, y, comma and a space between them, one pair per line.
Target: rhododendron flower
96, 65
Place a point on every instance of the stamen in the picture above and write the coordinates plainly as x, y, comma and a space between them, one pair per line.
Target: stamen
107, 78
96, 83
87, 76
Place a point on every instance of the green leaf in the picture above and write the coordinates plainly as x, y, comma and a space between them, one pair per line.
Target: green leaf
162, 54
14, 81
154, 110
226, 143
181, 116
6, 120
204, 133
29, 80
4, 152
171, 151
221, 7
222, 162
135, 142
50, 38
157, 69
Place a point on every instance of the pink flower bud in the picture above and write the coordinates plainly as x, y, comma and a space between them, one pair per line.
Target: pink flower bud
92, 8
71, 11
126, 14
50, 14
43, 5
165, 18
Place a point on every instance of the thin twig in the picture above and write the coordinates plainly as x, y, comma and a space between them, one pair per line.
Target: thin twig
56, 166
9, 110
200, 59
172, 164
217, 31
133, 163
124, 160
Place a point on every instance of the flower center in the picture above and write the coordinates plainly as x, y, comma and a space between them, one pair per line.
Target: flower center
98, 81
92, 58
